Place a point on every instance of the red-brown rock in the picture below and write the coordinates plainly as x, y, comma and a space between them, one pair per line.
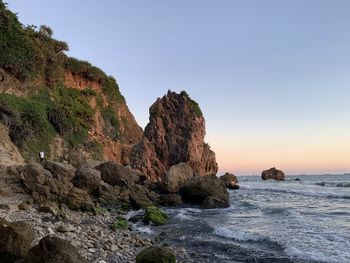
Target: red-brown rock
273, 173
174, 134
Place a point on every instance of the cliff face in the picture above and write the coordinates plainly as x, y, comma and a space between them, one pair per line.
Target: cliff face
62, 105
174, 134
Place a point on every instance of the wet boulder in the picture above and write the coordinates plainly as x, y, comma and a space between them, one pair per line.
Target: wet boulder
207, 191
230, 180
273, 174
170, 200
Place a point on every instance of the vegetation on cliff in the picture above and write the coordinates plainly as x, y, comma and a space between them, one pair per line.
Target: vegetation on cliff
49, 104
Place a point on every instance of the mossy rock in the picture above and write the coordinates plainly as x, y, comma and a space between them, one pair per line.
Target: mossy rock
155, 215
121, 224
156, 254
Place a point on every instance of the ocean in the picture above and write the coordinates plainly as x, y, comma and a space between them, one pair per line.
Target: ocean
302, 221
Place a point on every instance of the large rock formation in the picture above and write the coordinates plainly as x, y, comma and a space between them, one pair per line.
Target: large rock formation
273, 173
175, 133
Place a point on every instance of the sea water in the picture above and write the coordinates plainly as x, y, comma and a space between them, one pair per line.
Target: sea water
268, 221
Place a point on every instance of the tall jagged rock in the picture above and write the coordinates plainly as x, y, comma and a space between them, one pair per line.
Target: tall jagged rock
175, 133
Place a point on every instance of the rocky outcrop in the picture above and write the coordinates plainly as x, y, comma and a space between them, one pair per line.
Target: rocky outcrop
230, 180
53, 182
15, 240
208, 191
176, 177
273, 173
175, 133
53, 249
123, 184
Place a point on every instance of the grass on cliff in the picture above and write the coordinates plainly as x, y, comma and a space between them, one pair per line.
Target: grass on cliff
29, 126
34, 121
194, 105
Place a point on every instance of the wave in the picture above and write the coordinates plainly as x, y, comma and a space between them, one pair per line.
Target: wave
310, 190
333, 184
182, 217
317, 256
236, 234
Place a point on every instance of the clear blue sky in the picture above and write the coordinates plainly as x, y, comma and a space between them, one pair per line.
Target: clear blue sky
272, 77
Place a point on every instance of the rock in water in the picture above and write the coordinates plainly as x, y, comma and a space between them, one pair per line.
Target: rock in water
15, 240
52, 249
155, 216
230, 180
208, 191
273, 173
156, 254
174, 134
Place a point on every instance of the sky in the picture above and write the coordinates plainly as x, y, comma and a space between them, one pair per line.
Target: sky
271, 77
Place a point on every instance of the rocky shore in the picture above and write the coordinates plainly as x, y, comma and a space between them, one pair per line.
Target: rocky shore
91, 234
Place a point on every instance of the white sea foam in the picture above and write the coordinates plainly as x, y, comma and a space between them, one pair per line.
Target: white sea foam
236, 234
182, 217
134, 213
317, 256
143, 229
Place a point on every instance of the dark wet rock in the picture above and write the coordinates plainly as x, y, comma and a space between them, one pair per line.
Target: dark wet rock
176, 177
15, 240
233, 186
52, 249
156, 254
208, 191
274, 174
170, 200
297, 179
228, 178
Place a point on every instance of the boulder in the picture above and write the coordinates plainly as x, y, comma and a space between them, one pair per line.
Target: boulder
170, 200
176, 176
155, 216
15, 240
228, 178
49, 207
273, 173
52, 249
207, 191
140, 196
87, 178
174, 134
156, 254
117, 174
